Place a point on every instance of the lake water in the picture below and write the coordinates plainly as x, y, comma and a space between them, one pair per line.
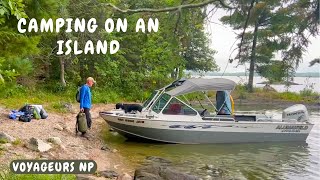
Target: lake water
309, 82
234, 161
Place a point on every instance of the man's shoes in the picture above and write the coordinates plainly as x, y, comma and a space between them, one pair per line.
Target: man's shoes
85, 135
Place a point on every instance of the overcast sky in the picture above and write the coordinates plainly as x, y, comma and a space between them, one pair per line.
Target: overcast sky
223, 37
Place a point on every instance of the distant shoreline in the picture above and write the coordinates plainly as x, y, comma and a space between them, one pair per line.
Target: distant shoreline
308, 74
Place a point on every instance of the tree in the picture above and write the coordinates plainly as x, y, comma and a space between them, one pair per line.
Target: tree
313, 62
147, 59
274, 26
14, 47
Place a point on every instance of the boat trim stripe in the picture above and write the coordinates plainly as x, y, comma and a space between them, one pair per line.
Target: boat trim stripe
150, 138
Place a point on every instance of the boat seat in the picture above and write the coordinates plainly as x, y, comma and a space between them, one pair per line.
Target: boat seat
174, 108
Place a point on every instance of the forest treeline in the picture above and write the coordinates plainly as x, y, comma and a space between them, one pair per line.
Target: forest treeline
150, 60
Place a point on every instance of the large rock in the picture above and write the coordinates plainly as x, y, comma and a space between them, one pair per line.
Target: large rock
68, 107
105, 148
159, 160
55, 140
68, 130
58, 127
84, 177
38, 145
125, 176
8, 145
6, 137
109, 174
156, 172
213, 171
5, 146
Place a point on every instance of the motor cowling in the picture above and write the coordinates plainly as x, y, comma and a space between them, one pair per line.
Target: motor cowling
297, 112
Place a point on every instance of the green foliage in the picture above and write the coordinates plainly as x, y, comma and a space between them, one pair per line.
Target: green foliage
17, 142
241, 91
11, 8
145, 61
289, 96
3, 141
106, 96
280, 29
274, 72
308, 90
5, 173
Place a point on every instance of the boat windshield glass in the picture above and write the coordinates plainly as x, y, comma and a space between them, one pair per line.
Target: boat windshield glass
145, 104
176, 107
161, 102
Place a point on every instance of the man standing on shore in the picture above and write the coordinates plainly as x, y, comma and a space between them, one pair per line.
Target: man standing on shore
85, 100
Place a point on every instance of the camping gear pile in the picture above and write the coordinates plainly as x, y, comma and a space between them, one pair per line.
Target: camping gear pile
29, 112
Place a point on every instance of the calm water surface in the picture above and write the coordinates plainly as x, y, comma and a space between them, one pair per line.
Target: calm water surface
234, 161
312, 83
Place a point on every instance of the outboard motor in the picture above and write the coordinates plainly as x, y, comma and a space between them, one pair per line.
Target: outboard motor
297, 112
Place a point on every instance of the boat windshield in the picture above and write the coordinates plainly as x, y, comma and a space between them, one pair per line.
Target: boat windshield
176, 107
145, 104
161, 102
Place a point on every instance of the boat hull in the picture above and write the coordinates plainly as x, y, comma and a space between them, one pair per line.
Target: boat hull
204, 133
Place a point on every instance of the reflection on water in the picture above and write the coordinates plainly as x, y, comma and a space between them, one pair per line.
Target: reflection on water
235, 161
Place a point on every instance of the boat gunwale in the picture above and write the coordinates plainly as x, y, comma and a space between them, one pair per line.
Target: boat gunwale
208, 121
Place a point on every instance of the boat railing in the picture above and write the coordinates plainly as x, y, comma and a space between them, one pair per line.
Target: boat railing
217, 118
249, 112
264, 120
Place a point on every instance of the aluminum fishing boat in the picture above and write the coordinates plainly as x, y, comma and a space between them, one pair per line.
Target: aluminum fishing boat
165, 117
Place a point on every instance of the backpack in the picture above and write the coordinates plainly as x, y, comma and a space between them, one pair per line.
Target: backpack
78, 95
43, 114
35, 114
81, 124
28, 110
25, 118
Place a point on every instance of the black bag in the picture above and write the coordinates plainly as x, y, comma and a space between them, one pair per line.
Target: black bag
43, 114
27, 109
78, 95
25, 118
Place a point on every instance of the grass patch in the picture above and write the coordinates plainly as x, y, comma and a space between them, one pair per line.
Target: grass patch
3, 141
54, 97
290, 96
306, 95
12, 176
5, 173
17, 142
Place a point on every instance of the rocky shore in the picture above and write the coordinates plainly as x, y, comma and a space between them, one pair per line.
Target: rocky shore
55, 139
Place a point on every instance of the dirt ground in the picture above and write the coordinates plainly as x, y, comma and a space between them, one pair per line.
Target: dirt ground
73, 147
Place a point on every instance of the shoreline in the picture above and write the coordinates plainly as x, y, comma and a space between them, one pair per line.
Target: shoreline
274, 104
62, 125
